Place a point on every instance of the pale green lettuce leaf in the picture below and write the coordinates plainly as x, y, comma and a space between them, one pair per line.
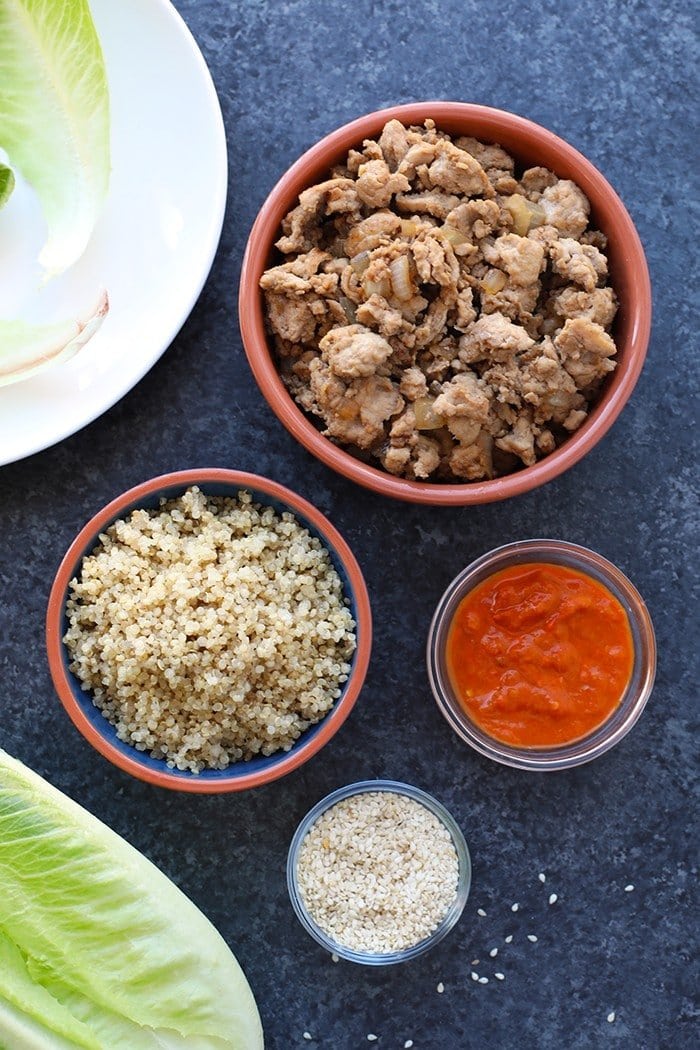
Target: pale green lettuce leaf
107, 935
7, 183
26, 348
54, 117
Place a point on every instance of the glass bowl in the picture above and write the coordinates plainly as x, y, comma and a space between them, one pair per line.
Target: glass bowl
616, 726
453, 912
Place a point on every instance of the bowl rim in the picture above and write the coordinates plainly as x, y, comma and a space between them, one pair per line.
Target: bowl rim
87, 537
256, 345
453, 913
584, 749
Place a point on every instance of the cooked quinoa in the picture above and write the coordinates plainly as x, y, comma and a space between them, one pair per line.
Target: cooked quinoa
378, 872
210, 630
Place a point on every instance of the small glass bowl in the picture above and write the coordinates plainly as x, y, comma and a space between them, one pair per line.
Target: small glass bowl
453, 912
619, 723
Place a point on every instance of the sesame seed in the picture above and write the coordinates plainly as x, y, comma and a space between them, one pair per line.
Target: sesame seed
553, 898
475, 976
440, 988
308, 1035
483, 980
611, 1017
509, 938
542, 877
514, 907
481, 912
372, 1038
335, 958
629, 888
531, 937
474, 962
408, 1044
493, 953
500, 976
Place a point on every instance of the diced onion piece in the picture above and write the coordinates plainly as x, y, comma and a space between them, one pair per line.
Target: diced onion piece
526, 214
376, 288
409, 228
348, 307
360, 262
454, 236
401, 278
426, 418
493, 282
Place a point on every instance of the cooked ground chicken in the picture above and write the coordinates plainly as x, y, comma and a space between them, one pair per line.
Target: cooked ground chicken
209, 630
378, 872
424, 269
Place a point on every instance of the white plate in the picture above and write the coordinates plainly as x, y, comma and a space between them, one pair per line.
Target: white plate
154, 243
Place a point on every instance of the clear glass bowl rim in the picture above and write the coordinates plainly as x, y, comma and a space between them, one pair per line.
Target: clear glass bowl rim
634, 700
455, 910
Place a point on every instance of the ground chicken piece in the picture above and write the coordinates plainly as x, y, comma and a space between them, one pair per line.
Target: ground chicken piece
545, 235
547, 386
410, 452
297, 296
580, 263
301, 225
473, 462
354, 412
429, 203
435, 319
435, 261
586, 351
291, 319
565, 207
493, 336
394, 143
464, 310
377, 313
488, 155
377, 229
354, 351
515, 302
376, 185
456, 171
574, 419
535, 181
595, 237
520, 441
371, 150
475, 219
413, 384
521, 258
599, 305
465, 396
419, 155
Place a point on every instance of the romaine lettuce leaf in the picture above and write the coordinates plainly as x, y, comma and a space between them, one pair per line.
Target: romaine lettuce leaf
54, 117
106, 937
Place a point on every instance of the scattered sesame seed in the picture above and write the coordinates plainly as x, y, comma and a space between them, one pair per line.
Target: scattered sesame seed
481, 912
531, 937
500, 976
474, 962
483, 980
493, 953
475, 976
372, 1038
408, 1044
440, 988
308, 1035
335, 958
628, 889
542, 877
509, 938
553, 898
611, 1017
514, 907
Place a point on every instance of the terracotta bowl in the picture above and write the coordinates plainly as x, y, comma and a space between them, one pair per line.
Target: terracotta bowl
90, 720
531, 145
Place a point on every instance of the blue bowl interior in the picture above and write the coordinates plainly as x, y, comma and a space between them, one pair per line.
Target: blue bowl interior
107, 730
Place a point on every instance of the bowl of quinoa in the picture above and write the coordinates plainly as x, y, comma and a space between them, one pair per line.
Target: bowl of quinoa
208, 631
378, 872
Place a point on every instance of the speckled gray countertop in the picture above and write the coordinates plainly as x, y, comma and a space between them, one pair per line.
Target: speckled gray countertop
615, 79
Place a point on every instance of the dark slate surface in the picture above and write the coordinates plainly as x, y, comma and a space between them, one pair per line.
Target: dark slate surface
615, 79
